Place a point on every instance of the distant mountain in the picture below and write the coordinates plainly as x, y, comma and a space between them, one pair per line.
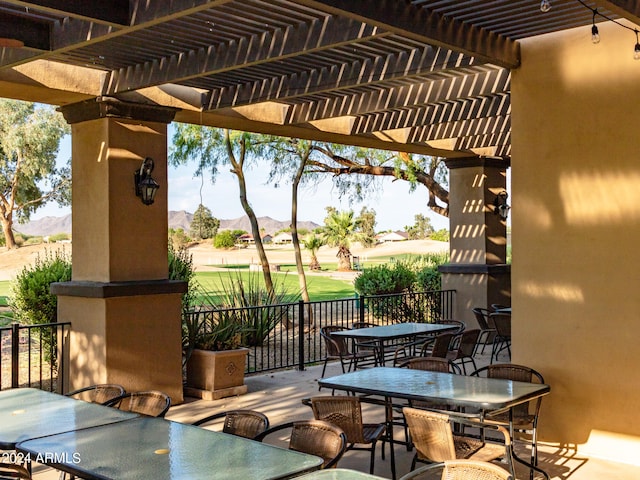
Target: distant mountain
45, 226
269, 225
177, 219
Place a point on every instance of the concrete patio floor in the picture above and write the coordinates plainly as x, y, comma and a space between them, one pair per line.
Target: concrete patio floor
279, 396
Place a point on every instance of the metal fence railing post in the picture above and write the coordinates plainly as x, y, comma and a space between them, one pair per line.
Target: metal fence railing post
301, 321
15, 355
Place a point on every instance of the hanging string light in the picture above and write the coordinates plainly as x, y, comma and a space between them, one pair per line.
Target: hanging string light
545, 6
595, 35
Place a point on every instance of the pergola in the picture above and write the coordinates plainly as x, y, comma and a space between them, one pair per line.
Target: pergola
429, 77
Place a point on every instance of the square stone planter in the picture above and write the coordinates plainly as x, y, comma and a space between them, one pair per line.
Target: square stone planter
214, 375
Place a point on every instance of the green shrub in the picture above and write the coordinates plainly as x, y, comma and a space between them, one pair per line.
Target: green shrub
59, 237
417, 273
224, 239
181, 268
31, 301
385, 279
429, 279
178, 238
33, 241
441, 235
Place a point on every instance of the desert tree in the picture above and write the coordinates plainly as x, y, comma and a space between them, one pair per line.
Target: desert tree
355, 172
30, 137
204, 225
212, 148
367, 224
422, 227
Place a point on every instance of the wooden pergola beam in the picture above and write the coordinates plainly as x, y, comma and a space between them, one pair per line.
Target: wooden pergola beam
423, 25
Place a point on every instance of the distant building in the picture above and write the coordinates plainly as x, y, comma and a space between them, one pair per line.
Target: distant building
396, 236
246, 238
282, 238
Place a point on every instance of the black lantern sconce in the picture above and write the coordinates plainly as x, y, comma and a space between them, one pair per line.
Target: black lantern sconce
500, 205
146, 186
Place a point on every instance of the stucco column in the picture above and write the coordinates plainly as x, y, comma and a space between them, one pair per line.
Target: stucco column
478, 246
125, 313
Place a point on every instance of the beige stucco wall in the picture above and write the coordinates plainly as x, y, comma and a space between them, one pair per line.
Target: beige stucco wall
478, 236
114, 233
126, 341
124, 312
575, 225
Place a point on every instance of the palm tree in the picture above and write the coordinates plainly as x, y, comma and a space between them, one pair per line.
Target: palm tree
313, 244
340, 229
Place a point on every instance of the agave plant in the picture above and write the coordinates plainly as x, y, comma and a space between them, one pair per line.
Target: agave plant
246, 299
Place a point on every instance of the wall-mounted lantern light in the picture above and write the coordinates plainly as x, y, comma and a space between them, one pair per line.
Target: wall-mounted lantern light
146, 186
500, 206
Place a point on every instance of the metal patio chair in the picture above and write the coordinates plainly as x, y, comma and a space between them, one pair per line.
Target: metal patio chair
338, 349
459, 470
487, 333
522, 418
315, 437
152, 403
346, 413
243, 423
101, 393
435, 441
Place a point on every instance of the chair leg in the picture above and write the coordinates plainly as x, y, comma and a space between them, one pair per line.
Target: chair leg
373, 457
324, 368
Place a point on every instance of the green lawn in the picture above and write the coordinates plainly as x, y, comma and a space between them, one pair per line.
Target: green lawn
5, 289
320, 288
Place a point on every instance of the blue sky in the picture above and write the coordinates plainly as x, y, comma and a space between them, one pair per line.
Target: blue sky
395, 207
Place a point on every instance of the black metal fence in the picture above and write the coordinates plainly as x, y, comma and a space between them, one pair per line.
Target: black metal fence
34, 355
293, 339
37, 355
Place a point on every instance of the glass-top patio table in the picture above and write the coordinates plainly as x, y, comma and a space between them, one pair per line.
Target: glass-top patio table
157, 449
484, 394
385, 333
339, 474
29, 413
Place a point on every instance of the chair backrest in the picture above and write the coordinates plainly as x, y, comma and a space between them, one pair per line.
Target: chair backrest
518, 373
459, 326
343, 411
459, 470
315, 437
440, 346
502, 323
12, 471
429, 364
431, 434
336, 346
481, 315
101, 393
467, 343
242, 423
498, 306
363, 325
152, 403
